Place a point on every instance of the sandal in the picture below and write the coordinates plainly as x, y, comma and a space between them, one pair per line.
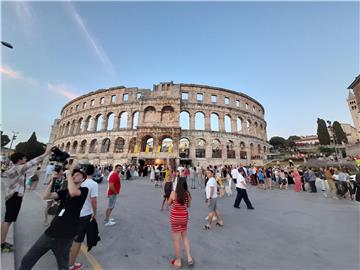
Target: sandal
191, 263
172, 262
207, 227
220, 224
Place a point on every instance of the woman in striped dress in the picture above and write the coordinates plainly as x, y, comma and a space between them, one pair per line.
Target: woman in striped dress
180, 200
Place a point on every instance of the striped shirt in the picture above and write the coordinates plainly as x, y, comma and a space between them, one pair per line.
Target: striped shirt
14, 178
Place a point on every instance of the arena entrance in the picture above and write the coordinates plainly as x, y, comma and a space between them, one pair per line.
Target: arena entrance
186, 161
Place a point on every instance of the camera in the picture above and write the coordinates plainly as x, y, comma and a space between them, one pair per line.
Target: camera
58, 155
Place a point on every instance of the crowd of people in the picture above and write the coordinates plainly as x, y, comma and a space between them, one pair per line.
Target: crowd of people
71, 198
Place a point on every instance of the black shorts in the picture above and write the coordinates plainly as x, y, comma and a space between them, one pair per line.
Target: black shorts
13, 206
83, 224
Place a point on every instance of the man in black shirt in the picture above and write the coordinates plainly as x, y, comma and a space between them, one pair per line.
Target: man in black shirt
59, 236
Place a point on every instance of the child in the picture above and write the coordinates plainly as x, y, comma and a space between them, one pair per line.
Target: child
168, 187
261, 178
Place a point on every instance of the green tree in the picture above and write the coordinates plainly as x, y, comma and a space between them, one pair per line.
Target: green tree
4, 139
32, 148
322, 132
291, 140
278, 142
339, 133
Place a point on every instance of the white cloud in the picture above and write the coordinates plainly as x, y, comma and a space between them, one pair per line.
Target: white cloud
93, 43
9, 72
63, 90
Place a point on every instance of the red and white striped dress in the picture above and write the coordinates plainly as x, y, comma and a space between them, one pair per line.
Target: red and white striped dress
179, 216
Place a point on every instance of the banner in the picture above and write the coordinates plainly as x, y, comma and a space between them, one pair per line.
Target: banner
136, 149
170, 148
147, 149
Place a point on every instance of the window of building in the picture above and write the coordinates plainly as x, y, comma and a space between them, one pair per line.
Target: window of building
125, 97
247, 106
77, 107
102, 100
226, 101
113, 98
199, 97
213, 98
184, 95
238, 103
92, 102
138, 95
84, 105
253, 108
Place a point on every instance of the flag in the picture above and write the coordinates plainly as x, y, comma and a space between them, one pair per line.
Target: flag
136, 150
170, 149
147, 148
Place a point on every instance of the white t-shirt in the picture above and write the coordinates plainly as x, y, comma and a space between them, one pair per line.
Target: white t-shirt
211, 183
234, 173
49, 169
240, 181
93, 192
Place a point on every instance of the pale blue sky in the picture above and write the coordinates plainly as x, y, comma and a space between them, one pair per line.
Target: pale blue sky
297, 59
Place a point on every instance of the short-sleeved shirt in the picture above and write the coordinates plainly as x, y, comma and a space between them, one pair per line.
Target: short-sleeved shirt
114, 178
93, 193
65, 223
211, 183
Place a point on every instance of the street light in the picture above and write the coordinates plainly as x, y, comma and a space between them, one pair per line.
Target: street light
12, 139
7, 44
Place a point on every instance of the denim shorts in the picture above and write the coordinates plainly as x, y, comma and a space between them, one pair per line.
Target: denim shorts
212, 205
112, 201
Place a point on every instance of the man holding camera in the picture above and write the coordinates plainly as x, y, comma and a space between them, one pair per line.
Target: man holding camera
59, 236
87, 214
14, 178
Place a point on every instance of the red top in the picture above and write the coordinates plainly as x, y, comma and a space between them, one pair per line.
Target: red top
115, 179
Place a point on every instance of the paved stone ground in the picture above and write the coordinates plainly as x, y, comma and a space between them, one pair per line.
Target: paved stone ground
287, 230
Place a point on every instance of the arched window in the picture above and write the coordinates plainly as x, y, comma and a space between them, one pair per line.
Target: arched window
110, 121
256, 128
67, 147
248, 125
264, 149
119, 145
147, 144
216, 149
243, 153
214, 122
82, 147
239, 124
132, 144
74, 147
167, 114
227, 123
135, 120
67, 129
72, 127
123, 120
166, 145
259, 149
90, 123
199, 121
185, 120
80, 126
252, 154
99, 120
149, 114
62, 147
230, 149
93, 146
184, 148
200, 148
105, 145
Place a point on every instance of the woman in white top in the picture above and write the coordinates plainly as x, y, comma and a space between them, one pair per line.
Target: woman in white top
241, 188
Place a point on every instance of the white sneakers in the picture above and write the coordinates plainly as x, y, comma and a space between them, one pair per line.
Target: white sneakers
110, 222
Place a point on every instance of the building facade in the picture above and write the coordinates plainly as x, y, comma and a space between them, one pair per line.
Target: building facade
172, 123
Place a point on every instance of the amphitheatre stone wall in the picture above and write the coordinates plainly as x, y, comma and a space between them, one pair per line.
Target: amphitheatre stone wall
175, 123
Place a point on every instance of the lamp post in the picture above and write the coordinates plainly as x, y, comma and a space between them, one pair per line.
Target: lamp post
334, 140
13, 139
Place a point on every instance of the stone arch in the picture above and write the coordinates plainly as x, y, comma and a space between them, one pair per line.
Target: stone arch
147, 144
135, 120
74, 147
132, 144
216, 149
184, 147
227, 123
67, 128
239, 124
252, 153
82, 147
119, 145
62, 147
166, 144
214, 122
259, 149
230, 149
89, 123
105, 146
200, 150
80, 126
256, 126
167, 114
98, 121
149, 114
185, 120
248, 125
93, 146
110, 117
123, 120
199, 120
72, 127
67, 147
